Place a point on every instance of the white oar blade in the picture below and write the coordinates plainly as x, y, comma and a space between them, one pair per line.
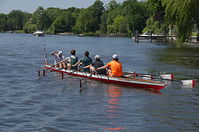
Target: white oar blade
189, 82
167, 76
148, 77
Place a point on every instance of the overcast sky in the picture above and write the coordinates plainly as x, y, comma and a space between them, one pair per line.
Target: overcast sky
31, 5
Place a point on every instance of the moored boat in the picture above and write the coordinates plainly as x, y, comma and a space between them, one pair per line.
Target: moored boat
38, 33
126, 81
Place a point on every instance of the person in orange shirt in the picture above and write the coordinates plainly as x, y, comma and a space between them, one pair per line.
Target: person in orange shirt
115, 67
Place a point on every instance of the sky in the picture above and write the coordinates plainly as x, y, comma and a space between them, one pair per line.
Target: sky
31, 5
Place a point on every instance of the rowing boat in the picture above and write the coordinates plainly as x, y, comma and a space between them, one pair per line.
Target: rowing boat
125, 81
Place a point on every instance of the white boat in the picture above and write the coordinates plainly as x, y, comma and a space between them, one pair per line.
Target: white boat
38, 33
147, 35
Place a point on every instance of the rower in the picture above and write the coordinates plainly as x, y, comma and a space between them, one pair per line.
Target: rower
96, 64
115, 67
72, 60
84, 61
58, 58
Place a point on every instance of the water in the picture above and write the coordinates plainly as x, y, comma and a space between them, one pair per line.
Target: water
50, 104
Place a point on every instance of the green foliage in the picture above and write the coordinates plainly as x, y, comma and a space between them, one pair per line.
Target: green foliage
103, 25
29, 27
94, 20
41, 19
89, 34
155, 6
50, 15
59, 25
155, 26
2, 22
112, 5
84, 21
16, 19
89, 19
135, 14
182, 13
19, 31
120, 24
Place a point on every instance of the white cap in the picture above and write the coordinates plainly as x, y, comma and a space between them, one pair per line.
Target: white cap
60, 52
115, 56
97, 57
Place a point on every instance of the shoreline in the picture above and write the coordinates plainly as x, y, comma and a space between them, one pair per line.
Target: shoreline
188, 44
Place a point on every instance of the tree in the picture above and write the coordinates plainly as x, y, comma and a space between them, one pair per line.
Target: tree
85, 21
40, 18
59, 25
104, 25
182, 13
112, 5
16, 19
50, 15
89, 19
135, 13
154, 26
2, 22
113, 14
156, 23
97, 10
157, 10
71, 16
30, 27
120, 24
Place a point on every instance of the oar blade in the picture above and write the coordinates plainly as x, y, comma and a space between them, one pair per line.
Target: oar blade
191, 83
147, 77
167, 76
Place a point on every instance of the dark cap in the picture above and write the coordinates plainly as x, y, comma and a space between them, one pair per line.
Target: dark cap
72, 52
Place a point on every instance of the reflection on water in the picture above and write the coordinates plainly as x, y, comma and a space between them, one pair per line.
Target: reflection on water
188, 57
114, 94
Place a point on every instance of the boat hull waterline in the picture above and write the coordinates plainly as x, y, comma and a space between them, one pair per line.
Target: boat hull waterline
133, 82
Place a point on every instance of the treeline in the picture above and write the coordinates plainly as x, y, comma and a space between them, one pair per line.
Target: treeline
156, 16
99, 18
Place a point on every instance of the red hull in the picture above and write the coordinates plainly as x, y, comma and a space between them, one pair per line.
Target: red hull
133, 82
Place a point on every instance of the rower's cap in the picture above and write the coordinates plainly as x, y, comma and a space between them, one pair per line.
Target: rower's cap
60, 52
97, 57
115, 56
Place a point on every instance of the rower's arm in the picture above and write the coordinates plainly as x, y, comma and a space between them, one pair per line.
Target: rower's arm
77, 63
87, 66
54, 52
103, 67
62, 61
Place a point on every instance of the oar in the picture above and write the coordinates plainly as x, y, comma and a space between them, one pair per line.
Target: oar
45, 56
167, 77
189, 82
43, 72
92, 73
56, 64
151, 76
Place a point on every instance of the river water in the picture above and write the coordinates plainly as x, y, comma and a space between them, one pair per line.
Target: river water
52, 104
